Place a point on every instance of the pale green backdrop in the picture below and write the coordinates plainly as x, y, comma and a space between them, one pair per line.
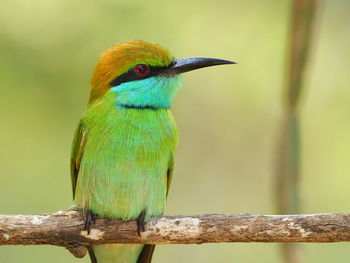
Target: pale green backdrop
228, 116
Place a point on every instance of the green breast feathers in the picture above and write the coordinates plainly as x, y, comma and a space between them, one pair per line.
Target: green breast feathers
123, 160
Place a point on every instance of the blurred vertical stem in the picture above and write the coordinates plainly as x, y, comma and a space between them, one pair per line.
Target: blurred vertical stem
288, 158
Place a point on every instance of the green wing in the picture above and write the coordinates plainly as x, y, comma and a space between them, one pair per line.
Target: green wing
170, 174
77, 153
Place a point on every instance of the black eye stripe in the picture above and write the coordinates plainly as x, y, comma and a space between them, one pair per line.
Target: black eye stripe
131, 76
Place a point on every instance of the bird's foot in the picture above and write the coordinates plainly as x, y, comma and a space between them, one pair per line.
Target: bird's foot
89, 220
141, 223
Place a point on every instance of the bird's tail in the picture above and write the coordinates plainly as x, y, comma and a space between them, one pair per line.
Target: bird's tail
92, 254
121, 253
146, 254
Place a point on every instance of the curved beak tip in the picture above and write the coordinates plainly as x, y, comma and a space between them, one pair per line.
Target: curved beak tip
228, 62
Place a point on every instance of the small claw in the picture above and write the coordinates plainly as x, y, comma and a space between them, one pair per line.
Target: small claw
89, 220
141, 223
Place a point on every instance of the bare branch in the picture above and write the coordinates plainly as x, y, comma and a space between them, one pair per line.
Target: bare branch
65, 228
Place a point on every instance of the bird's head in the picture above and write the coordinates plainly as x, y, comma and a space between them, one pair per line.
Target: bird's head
142, 74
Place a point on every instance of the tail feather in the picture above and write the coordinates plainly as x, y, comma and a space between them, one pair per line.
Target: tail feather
146, 254
120, 253
92, 254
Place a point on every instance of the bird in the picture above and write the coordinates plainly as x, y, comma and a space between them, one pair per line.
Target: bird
122, 156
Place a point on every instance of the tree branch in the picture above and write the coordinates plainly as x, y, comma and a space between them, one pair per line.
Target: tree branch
65, 228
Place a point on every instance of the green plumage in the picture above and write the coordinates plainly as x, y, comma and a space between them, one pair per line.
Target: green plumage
124, 158
123, 151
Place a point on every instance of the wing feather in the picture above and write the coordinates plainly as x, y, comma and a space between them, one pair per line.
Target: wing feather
77, 153
170, 174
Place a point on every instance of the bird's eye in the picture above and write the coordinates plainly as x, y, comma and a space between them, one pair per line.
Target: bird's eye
141, 69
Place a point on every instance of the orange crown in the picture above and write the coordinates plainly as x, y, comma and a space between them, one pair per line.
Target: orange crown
119, 58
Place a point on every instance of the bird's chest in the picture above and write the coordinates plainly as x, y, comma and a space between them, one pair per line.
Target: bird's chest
137, 136
125, 164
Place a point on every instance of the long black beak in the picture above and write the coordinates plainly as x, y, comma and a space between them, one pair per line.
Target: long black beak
183, 65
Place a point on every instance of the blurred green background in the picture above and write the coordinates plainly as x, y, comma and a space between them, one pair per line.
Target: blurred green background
228, 117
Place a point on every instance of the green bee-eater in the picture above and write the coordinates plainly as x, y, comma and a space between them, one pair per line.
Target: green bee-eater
123, 150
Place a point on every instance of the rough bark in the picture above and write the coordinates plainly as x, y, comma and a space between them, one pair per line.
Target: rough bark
65, 228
